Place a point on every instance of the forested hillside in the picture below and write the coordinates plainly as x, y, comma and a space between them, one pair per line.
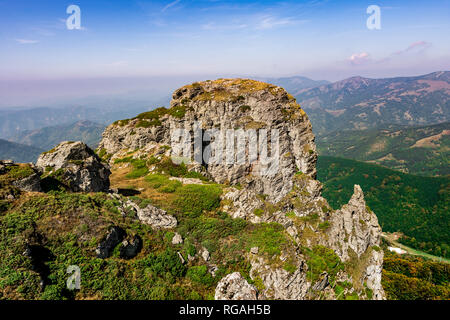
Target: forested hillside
417, 206
421, 150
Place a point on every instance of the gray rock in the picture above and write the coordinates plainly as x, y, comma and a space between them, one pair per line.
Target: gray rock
322, 283
80, 167
235, 287
31, 183
279, 196
177, 239
130, 248
205, 254
157, 218
113, 238
181, 258
356, 228
268, 107
254, 250
280, 284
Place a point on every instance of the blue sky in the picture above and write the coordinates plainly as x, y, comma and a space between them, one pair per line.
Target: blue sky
182, 38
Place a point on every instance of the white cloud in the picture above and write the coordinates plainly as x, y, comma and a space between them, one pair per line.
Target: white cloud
213, 26
359, 58
26, 41
270, 22
170, 5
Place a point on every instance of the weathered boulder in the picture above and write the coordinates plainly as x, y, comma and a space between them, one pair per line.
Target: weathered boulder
235, 287
25, 177
177, 239
113, 238
77, 165
131, 247
151, 215
32, 183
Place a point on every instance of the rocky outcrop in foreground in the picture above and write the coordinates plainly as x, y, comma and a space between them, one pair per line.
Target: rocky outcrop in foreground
344, 242
229, 104
77, 166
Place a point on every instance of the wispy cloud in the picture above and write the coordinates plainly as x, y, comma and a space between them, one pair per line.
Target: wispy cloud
270, 22
415, 46
26, 41
215, 27
170, 5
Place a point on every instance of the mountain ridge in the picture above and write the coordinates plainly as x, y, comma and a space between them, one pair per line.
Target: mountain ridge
362, 103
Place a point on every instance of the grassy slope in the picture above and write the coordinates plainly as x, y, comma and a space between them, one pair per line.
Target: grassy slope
71, 225
392, 147
416, 206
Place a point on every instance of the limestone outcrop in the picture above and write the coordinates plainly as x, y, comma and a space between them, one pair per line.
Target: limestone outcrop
235, 287
289, 196
229, 104
77, 166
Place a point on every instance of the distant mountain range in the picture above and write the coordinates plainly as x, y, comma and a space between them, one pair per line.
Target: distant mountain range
46, 138
15, 120
18, 152
26, 146
295, 85
360, 103
423, 150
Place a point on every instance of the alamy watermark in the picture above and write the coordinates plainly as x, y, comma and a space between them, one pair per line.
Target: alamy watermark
74, 280
227, 147
74, 20
374, 20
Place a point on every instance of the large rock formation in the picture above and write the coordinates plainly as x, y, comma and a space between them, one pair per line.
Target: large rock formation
289, 195
229, 105
77, 166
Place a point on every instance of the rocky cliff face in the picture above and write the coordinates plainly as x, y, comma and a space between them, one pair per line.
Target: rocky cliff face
229, 105
329, 254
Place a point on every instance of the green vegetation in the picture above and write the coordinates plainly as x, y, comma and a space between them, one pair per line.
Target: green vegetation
152, 118
417, 206
20, 171
194, 199
414, 278
322, 259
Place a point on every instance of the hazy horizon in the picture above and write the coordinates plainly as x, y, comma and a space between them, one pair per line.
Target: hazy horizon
141, 49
